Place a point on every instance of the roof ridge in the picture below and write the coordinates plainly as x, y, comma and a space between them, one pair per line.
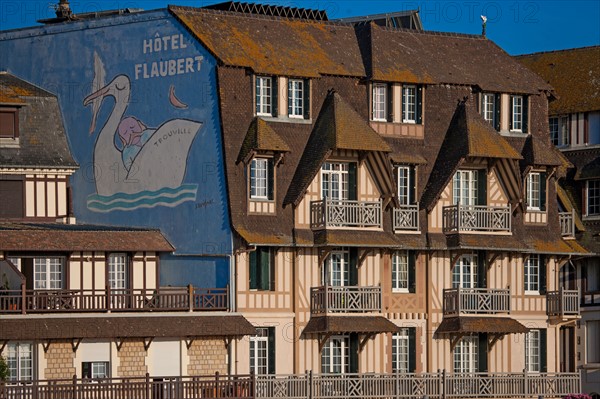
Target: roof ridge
435, 33
557, 51
258, 16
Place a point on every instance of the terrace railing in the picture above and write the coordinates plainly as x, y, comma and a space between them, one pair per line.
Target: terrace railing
476, 218
351, 299
406, 217
329, 213
562, 303
114, 300
476, 301
567, 223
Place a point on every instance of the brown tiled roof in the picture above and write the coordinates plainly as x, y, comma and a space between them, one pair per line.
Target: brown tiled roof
573, 74
540, 152
338, 127
487, 241
590, 170
261, 137
555, 246
405, 55
65, 237
468, 135
349, 324
191, 325
42, 138
496, 325
360, 238
279, 46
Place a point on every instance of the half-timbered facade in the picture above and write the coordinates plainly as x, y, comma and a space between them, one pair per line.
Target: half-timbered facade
574, 122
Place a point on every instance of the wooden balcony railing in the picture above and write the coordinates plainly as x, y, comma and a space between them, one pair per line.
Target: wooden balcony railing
408, 385
476, 301
475, 218
328, 299
567, 223
113, 300
590, 298
358, 214
406, 217
215, 386
305, 386
562, 303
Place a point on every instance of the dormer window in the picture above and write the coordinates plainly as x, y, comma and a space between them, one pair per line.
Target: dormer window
409, 104
261, 179
593, 198
266, 93
380, 102
490, 109
9, 123
536, 191
518, 114
296, 98
559, 131
406, 184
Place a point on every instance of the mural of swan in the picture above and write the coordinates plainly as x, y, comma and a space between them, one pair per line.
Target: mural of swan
161, 160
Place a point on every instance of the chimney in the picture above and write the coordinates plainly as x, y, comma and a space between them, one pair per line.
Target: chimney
63, 10
483, 25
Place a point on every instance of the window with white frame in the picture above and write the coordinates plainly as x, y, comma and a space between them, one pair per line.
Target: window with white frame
261, 351
533, 191
464, 273
94, 369
380, 102
532, 351
592, 332
117, 271
559, 131
593, 197
405, 185
466, 354
400, 271
409, 104
488, 107
335, 180
400, 351
48, 273
336, 270
15, 261
465, 187
335, 355
517, 113
532, 273
19, 358
264, 95
296, 98
259, 178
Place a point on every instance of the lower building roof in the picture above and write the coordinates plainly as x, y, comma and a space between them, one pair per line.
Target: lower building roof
113, 326
349, 324
69, 237
468, 324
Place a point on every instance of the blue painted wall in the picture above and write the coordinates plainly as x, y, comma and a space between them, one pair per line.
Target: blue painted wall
139, 101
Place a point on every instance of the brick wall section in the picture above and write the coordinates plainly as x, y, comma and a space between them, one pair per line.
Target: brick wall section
59, 358
207, 356
132, 357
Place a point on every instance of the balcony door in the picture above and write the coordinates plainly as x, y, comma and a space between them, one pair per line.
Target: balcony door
568, 277
48, 273
118, 279
469, 187
338, 181
465, 273
339, 269
470, 354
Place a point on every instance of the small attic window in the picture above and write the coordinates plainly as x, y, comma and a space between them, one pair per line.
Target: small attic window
9, 123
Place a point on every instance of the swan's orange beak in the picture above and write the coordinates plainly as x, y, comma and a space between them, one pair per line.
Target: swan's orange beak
100, 93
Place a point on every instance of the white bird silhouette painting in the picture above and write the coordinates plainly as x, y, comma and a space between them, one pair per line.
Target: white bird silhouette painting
136, 166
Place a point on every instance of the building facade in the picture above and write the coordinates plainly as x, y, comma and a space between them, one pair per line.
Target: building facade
574, 121
374, 198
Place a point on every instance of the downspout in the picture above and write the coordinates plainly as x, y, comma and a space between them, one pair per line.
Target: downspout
232, 305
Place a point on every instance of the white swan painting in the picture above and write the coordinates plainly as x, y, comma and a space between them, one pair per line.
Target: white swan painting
136, 166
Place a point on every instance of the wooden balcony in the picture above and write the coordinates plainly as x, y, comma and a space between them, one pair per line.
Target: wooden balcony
476, 218
127, 300
305, 386
476, 301
406, 218
567, 223
562, 303
408, 385
328, 299
345, 214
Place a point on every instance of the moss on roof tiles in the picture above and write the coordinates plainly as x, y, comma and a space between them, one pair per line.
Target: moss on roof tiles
277, 46
574, 74
261, 137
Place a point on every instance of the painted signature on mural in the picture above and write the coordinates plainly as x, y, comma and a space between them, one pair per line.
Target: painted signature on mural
126, 141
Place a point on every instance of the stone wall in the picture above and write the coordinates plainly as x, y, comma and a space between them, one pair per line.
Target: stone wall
207, 356
132, 357
59, 360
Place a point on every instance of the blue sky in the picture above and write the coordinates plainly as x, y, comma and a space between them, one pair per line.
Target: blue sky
517, 26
